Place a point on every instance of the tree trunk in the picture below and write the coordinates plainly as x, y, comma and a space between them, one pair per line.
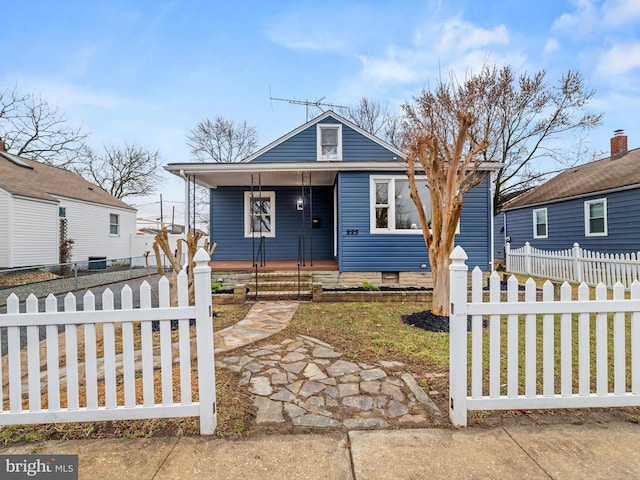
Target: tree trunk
439, 269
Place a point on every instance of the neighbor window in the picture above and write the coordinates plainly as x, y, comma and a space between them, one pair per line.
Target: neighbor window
595, 218
393, 210
259, 213
540, 229
329, 141
62, 212
114, 224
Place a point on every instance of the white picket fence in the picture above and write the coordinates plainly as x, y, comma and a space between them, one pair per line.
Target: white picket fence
574, 265
31, 374
560, 376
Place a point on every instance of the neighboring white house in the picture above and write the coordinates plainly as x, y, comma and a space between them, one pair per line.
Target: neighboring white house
36, 200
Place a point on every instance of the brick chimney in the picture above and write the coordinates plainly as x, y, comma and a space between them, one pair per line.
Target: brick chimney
3, 148
618, 143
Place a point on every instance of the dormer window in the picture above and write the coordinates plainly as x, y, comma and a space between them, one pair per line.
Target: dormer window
329, 141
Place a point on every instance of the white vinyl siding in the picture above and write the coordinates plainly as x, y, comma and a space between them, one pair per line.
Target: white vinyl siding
88, 225
595, 218
540, 223
5, 228
34, 233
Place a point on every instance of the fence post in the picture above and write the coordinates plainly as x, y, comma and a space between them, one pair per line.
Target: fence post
507, 255
458, 338
527, 258
577, 263
204, 332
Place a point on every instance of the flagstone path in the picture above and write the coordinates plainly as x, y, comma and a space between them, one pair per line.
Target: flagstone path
309, 383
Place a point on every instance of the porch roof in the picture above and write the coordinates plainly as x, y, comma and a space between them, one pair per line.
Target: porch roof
212, 175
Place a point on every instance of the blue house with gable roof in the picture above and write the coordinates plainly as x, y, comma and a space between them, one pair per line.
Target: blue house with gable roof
328, 191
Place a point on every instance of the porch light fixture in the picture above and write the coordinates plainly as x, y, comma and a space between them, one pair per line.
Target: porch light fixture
300, 204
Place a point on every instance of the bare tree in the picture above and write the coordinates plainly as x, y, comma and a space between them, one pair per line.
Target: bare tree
123, 171
372, 117
220, 141
443, 136
532, 120
30, 127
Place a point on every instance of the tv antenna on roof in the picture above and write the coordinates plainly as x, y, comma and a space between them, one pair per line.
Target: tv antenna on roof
308, 103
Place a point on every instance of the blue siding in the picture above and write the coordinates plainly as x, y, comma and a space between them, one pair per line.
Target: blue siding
379, 252
565, 222
227, 224
303, 147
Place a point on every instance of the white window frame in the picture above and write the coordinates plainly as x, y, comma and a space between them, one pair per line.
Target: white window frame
587, 218
116, 224
247, 219
319, 128
391, 216
535, 223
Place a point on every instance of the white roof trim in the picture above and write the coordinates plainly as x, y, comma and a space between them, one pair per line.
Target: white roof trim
318, 119
335, 165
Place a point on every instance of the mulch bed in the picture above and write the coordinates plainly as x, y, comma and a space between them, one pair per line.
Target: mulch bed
433, 323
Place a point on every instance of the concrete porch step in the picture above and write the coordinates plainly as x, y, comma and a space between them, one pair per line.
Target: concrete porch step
280, 295
279, 286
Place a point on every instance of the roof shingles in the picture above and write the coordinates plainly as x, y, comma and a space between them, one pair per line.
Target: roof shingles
37, 180
602, 175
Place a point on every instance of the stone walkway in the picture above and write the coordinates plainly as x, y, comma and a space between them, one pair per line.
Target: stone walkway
309, 383
263, 320
305, 381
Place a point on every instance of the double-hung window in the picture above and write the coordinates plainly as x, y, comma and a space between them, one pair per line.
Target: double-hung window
595, 218
259, 214
393, 209
114, 224
540, 225
329, 141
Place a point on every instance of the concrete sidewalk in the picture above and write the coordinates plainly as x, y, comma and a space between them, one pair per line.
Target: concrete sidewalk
593, 451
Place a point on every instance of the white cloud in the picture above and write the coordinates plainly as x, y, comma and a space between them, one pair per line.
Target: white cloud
620, 12
620, 59
72, 96
388, 70
458, 36
551, 46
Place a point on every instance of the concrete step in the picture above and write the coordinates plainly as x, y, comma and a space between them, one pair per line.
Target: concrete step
282, 295
279, 286
281, 277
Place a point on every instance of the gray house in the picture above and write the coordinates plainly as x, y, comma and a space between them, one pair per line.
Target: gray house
330, 193
596, 205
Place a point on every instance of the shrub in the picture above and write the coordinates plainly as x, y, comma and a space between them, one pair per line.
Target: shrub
370, 286
215, 287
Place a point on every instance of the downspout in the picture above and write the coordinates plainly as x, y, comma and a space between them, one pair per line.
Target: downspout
186, 201
491, 235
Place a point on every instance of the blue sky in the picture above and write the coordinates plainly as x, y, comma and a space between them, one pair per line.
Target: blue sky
149, 70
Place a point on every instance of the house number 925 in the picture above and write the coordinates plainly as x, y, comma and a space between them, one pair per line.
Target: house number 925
351, 231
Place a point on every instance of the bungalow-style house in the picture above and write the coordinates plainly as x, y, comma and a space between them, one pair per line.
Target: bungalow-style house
596, 205
42, 206
328, 194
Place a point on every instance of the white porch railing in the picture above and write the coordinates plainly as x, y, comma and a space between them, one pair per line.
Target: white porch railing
43, 371
574, 375
574, 265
